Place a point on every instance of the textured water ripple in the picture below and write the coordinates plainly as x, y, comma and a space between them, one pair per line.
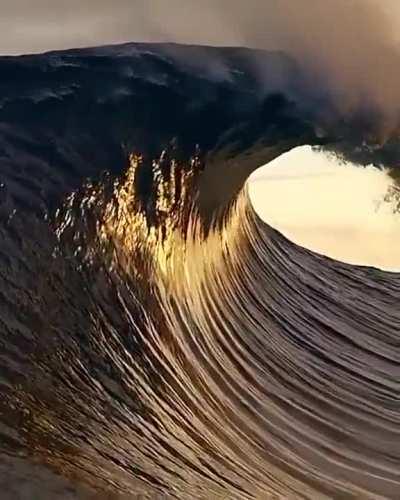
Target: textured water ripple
225, 364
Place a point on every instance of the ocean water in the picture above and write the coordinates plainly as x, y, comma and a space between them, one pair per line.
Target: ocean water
157, 338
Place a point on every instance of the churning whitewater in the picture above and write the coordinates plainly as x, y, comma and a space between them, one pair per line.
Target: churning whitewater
158, 338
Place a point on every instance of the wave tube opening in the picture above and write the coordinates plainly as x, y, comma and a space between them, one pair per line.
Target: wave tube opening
340, 210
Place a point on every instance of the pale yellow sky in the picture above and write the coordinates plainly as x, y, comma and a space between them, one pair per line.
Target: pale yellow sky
336, 210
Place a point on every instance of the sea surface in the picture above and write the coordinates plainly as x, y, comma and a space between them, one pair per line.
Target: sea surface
157, 338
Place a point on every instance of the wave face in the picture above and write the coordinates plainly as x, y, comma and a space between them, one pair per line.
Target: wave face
159, 339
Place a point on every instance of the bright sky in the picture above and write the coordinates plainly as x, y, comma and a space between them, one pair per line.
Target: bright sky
336, 210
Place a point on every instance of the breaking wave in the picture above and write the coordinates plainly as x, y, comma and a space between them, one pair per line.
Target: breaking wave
156, 342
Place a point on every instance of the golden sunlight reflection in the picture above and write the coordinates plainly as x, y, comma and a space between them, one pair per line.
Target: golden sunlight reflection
344, 211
